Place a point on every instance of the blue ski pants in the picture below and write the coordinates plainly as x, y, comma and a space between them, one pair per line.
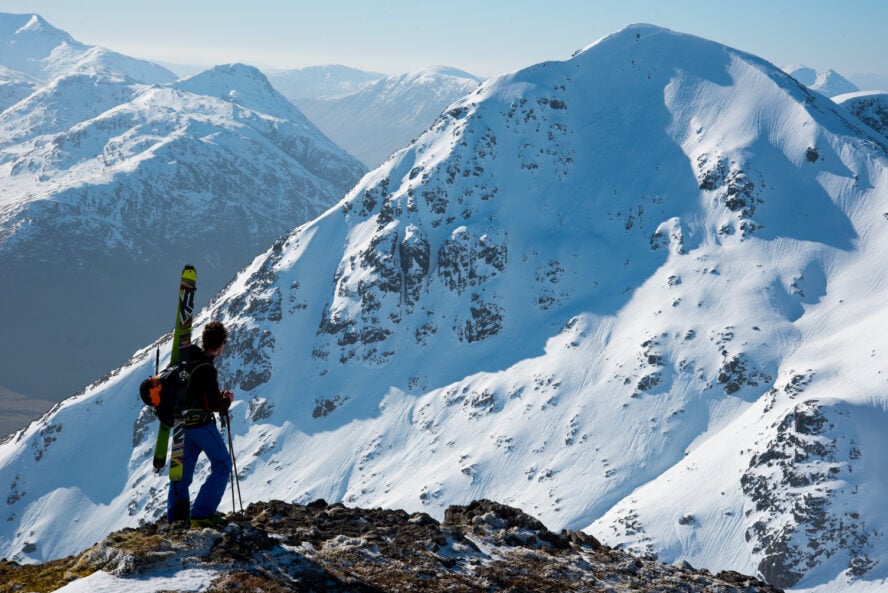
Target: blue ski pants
204, 439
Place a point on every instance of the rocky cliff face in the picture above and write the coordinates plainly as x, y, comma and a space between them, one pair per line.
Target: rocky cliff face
275, 547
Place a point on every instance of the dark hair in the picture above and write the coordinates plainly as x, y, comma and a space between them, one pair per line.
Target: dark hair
214, 335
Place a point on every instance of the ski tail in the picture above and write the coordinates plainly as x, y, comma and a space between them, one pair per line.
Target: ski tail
161, 446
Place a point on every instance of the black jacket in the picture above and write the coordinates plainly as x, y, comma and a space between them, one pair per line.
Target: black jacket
204, 396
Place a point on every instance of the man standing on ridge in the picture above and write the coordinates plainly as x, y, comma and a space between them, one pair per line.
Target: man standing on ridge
201, 434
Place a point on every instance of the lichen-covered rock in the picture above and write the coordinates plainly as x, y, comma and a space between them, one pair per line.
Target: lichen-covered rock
276, 547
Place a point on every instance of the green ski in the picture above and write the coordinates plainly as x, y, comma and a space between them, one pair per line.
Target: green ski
181, 340
180, 355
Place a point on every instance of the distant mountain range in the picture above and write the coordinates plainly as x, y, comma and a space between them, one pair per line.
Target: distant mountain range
369, 115
638, 292
321, 82
114, 175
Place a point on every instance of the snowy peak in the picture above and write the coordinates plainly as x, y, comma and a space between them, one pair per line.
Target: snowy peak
239, 84
826, 82
656, 43
99, 60
37, 49
28, 41
439, 79
29, 37
448, 71
682, 67
437, 72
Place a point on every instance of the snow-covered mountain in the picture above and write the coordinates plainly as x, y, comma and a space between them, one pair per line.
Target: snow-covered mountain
33, 52
109, 185
639, 291
321, 82
826, 82
386, 115
871, 107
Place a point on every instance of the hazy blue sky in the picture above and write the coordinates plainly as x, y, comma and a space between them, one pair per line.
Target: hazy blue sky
483, 37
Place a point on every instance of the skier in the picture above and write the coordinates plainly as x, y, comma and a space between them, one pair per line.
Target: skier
201, 434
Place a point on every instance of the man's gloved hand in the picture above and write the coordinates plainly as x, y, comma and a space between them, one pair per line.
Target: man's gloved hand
228, 397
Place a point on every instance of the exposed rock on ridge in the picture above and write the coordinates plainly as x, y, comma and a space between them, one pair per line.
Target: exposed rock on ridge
276, 546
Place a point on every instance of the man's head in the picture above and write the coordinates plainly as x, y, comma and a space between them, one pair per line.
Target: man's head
214, 335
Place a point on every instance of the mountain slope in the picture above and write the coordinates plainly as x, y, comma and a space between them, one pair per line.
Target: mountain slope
638, 289
373, 122
109, 186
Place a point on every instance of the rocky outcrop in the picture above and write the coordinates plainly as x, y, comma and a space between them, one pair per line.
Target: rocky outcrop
275, 547
795, 488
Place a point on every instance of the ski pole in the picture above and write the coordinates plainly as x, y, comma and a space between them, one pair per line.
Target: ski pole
225, 420
240, 501
234, 476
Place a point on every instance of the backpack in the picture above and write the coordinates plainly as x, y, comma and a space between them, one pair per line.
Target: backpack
165, 392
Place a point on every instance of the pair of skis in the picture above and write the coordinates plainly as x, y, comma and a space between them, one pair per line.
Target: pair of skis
179, 357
